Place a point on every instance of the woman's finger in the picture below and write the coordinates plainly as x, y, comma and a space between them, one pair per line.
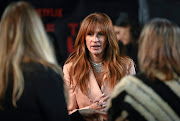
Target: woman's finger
104, 99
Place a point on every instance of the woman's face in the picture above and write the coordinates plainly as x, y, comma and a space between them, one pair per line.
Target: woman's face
96, 43
123, 34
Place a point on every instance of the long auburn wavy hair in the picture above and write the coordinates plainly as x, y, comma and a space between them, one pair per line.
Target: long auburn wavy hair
159, 48
23, 39
116, 66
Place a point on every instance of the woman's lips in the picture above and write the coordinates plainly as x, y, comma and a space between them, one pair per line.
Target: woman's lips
95, 47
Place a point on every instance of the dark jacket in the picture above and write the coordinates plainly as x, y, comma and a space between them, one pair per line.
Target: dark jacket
42, 99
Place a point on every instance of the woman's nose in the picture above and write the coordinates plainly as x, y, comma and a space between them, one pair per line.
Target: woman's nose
95, 38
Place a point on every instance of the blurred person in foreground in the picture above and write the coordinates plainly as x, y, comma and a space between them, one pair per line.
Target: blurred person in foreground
31, 88
95, 66
153, 94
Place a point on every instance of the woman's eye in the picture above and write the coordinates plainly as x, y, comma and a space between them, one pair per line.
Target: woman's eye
101, 34
90, 33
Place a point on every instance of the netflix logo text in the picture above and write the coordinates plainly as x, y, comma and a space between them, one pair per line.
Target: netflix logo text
50, 12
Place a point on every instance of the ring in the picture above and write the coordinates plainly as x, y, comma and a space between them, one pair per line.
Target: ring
99, 105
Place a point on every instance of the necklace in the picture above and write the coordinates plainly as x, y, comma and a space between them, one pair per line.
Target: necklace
98, 67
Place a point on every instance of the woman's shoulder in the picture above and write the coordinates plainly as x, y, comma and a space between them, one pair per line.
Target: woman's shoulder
127, 59
67, 66
128, 63
38, 74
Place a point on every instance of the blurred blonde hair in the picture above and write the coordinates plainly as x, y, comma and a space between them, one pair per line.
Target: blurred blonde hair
159, 48
22, 39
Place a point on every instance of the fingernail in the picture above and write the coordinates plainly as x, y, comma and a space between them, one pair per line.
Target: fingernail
103, 103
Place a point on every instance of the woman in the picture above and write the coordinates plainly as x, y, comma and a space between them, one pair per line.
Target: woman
127, 32
95, 66
31, 88
154, 94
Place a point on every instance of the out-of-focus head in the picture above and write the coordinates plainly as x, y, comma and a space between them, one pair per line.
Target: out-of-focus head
122, 28
159, 48
126, 28
104, 24
123, 34
22, 39
22, 33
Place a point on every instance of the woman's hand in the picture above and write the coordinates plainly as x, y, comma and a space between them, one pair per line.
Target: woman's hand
99, 103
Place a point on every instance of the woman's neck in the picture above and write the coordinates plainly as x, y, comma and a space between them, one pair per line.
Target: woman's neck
96, 59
